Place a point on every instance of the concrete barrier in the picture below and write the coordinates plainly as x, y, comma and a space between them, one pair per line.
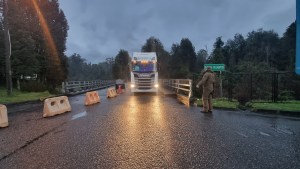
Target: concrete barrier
3, 116
111, 92
184, 99
56, 105
91, 98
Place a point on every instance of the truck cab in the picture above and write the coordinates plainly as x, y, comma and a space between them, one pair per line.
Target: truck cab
144, 75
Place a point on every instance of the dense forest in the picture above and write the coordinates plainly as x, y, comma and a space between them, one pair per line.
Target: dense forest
259, 48
251, 62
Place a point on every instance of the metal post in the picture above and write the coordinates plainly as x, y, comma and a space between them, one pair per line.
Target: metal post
7, 50
221, 88
251, 87
276, 88
273, 87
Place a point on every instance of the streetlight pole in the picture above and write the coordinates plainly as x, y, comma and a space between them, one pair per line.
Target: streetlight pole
7, 50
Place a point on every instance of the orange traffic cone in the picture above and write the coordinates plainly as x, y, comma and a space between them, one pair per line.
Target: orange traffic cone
119, 89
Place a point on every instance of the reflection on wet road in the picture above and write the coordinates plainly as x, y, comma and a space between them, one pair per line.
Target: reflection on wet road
148, 131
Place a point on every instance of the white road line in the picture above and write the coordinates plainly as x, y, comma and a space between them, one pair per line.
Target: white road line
241, 134
284, 131
264, 134
79, 115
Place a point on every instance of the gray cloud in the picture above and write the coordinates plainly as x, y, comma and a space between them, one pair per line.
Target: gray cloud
100, 28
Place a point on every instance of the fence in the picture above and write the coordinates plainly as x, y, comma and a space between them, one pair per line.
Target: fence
182, 88
69, 87
257, 87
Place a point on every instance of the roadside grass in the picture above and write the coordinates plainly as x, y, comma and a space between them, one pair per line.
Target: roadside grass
20, 96
293, 106
222, 103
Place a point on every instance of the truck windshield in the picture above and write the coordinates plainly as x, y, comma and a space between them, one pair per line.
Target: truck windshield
143, 67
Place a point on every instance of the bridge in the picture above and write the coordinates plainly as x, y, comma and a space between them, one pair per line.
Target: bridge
182, 88
146, 131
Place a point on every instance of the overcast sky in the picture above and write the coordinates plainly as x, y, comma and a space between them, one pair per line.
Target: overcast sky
100, 28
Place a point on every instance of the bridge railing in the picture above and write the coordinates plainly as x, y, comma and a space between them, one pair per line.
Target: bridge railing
182, 88
73, 87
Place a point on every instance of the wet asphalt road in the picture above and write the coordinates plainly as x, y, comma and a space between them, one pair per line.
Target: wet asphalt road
146, 131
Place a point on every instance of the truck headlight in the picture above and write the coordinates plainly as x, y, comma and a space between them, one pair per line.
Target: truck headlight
156, 85
132, 85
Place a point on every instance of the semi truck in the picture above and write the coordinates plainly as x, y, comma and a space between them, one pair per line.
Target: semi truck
143, 72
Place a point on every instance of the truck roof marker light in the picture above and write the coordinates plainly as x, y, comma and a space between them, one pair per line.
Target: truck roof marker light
144, 61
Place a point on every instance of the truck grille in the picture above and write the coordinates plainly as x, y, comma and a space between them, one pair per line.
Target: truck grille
144, 83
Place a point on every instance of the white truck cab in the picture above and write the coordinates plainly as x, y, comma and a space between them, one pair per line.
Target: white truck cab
143, 72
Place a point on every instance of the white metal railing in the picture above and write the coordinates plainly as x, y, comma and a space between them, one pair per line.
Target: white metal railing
81, 86
179, 86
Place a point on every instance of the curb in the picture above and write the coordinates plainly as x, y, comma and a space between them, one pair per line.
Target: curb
277, 112
263, 111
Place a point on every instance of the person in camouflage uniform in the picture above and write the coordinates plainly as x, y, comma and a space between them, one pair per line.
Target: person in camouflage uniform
207, 81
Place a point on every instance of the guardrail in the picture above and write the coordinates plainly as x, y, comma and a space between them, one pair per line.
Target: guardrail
73, 87
181, 87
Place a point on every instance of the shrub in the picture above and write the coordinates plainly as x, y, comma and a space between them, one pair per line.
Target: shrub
286, 95
33, 86
243, 99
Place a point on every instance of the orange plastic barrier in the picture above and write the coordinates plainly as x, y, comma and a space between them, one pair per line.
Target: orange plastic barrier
56, 105
111, 92
119, 89
3, 116
91, 98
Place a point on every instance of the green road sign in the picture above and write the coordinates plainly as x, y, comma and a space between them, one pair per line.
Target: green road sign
215, 67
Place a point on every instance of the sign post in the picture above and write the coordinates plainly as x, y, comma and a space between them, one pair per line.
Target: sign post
219, 68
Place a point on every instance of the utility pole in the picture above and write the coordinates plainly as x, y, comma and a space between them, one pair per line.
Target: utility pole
7, 49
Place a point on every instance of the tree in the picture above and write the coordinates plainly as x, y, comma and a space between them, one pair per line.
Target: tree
183, 59
76, 65
35, 28
121, 65
54, 46
154, 45
80, 70
217, 54
2, 48
262, 46
188, 54
201, 59
234, 51
286, 58
175, 62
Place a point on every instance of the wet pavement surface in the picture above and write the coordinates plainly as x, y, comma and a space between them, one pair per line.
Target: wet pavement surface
146, 131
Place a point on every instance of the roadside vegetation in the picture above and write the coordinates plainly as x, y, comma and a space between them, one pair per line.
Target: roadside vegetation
21, 96
292, 106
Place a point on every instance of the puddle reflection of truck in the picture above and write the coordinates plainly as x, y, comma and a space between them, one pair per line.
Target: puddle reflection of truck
143, 72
